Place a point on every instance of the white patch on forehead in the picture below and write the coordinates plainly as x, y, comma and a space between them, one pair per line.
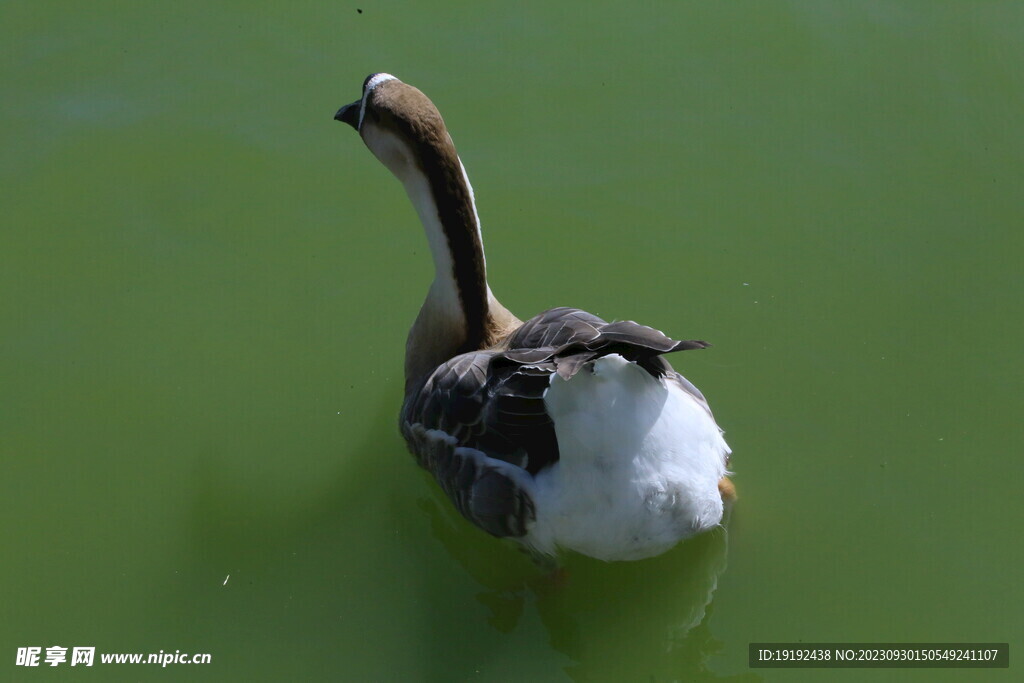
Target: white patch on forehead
370, 85
378, 79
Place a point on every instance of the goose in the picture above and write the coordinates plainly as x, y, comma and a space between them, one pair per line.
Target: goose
564, 432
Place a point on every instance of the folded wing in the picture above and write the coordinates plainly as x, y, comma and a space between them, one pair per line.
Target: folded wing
479, 423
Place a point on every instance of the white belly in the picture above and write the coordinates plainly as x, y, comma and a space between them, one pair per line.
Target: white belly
638, 470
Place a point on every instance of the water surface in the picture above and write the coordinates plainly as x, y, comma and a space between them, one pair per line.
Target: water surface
208, 283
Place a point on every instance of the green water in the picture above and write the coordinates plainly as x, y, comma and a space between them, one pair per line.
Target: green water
207, 284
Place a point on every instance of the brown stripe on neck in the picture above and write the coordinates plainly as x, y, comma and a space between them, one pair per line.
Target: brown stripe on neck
455, 209
438, 160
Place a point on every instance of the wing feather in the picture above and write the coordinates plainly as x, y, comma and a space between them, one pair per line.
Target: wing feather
479, 423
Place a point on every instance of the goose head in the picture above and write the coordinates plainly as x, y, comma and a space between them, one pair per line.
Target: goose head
399, 124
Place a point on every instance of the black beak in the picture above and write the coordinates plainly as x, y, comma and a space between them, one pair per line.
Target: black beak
349, 114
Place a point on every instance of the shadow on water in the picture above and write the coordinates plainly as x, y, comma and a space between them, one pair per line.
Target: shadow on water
604, 617
370, 573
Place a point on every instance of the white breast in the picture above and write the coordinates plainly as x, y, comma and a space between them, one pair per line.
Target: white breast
639, 465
